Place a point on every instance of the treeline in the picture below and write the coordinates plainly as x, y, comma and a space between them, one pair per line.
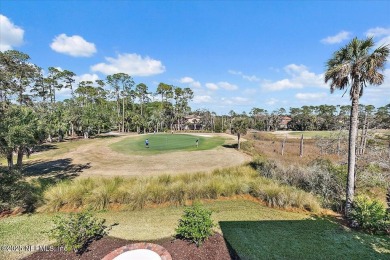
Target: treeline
318, 118
31, 112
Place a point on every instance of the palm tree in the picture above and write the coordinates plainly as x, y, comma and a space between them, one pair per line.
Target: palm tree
355, 67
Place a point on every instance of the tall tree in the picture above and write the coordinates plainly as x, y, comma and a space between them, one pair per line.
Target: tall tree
355, 67
164, 90
258, 118
53, 82
141, 91
68, 78
17, 73
181, 97
125, 82
239, 127
382, 117
19, 132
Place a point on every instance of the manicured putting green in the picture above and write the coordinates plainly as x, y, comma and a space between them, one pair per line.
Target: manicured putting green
159, 143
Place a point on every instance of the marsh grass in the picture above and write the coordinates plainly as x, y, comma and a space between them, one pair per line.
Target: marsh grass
138, 193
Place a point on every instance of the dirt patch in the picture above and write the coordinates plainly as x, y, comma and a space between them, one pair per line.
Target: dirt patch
213, 248
102, 161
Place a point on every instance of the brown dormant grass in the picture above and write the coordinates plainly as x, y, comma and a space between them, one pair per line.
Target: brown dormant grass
100, 160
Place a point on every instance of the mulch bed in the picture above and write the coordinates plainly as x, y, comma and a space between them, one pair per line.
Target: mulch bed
213, 248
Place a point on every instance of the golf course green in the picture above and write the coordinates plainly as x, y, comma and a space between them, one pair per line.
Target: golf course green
160, 143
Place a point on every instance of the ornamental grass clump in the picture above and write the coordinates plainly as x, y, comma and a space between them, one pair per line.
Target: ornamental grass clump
137, 193
195, 225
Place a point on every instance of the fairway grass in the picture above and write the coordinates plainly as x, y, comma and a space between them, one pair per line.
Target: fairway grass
95, 157
253, 230
161, 143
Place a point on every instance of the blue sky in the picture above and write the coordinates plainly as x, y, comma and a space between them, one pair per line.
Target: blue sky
235, 55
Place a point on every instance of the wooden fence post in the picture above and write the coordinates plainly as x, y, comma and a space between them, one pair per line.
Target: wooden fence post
301, 147
283, 143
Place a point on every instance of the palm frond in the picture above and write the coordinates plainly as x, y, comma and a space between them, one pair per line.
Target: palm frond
353, 66
376, 78
366, 44
379, 56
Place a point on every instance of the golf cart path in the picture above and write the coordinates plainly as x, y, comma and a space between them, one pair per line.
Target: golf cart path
105, 162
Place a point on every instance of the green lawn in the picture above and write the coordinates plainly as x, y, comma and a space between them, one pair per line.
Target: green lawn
316, 238
254, 231
159, 143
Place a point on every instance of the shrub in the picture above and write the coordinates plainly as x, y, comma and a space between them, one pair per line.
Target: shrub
320, 177
77, 231
370, 215
15, 192
372, 175
195, 225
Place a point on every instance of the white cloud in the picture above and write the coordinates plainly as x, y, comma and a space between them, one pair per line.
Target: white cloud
377, 32
130, 63
300, 77
222, 84
196, 84
250, 91
294, 69
240, 99
381, 34
212, 86
252, 78
372, 94
74, 46
281, 85
341, 36
272, 101
310, 96
186, 80
202, 99
10, 34
190, 81
227, 86
383, 41
63, 93
86, 77
235, 101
